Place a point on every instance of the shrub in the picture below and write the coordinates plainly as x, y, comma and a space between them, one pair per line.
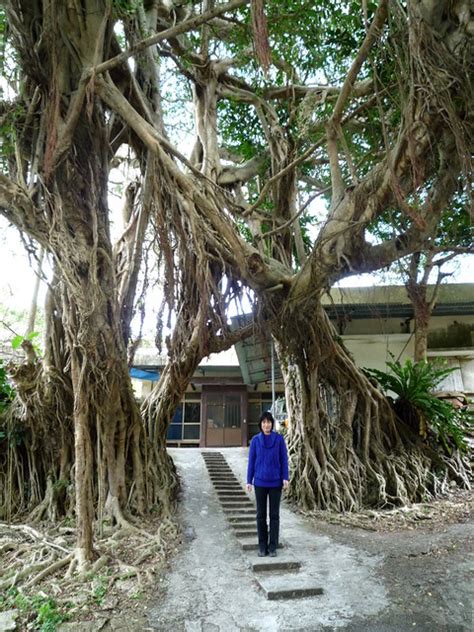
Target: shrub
417, 406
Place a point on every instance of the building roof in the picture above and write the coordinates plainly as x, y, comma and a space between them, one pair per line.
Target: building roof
391, 301
255, 353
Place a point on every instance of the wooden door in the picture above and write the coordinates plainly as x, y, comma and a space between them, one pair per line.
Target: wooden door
223, 419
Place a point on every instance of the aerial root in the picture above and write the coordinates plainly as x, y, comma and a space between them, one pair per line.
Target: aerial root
52, 568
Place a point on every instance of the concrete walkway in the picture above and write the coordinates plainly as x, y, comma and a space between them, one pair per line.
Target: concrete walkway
213, 585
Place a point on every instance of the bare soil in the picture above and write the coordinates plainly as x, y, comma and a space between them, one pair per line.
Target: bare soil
428, 561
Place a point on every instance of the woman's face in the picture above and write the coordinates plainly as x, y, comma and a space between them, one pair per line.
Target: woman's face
266, 426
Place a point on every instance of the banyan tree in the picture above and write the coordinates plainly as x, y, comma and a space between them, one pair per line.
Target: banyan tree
309, 122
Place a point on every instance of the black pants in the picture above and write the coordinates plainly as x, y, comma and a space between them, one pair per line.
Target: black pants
273, 494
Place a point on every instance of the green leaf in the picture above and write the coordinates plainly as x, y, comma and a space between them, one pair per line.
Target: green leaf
16, 341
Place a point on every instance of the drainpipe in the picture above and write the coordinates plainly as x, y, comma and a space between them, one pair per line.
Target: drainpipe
273, 376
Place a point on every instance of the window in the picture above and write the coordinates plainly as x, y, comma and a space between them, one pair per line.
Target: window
192, 420
258, 403
186, 422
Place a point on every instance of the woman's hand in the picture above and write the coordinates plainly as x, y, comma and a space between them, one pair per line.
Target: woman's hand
249, 487
285, 484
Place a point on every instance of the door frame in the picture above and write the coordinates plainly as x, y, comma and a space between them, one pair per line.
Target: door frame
231, 389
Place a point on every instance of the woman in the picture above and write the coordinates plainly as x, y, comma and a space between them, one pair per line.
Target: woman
267, 471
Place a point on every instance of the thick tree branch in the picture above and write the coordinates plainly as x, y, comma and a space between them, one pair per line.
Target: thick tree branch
187, 25
233, 174
369, 257
304, 156
374, 32
333, 128
111, 95
225, 341
293, 218
360, 89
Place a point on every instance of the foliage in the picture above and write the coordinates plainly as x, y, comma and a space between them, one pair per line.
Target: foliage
124, 8
18, 340
453, 230
414, 383
6, 391
41, 610
100, 587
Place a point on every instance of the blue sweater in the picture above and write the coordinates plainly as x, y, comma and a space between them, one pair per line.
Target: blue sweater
268, 461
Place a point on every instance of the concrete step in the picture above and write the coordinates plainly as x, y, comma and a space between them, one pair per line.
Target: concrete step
240, 505
228, 488
228, 495
243, 526
235, 501
225, 481
293, 587
232, 491
218, 468
252, 545
239, 511
237, 498
245, 533
274, 565
241, 522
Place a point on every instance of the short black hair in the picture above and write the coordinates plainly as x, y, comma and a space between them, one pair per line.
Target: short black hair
266, 415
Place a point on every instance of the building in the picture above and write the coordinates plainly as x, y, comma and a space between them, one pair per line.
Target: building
229, 391
219, 408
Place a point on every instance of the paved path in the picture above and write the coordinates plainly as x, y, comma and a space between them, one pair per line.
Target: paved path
212, 587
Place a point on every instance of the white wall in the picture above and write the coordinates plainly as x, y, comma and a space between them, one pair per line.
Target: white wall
372, 351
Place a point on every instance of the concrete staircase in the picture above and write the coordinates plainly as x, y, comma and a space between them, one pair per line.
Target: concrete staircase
278, 578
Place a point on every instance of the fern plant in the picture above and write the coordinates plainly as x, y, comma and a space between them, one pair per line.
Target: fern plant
413, 383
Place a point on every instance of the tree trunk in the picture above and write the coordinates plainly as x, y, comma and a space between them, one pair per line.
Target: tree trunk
346, 448
422, 321
187, 347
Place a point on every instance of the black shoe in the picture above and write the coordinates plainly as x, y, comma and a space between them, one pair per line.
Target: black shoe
262, 553
273, 553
